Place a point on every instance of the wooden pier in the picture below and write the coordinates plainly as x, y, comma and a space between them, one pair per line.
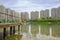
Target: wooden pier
11, 26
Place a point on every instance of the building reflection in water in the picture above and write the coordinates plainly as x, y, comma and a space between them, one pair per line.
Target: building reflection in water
56, 31
37, 32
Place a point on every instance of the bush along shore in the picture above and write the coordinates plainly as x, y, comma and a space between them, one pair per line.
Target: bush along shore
48, 19
9, 20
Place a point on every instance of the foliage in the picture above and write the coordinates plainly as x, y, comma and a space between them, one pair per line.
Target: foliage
8, 20
47, 19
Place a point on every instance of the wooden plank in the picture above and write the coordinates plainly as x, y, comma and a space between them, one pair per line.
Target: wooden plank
3, 25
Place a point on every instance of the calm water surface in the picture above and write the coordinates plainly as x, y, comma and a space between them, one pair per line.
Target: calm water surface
37, 32
41, 32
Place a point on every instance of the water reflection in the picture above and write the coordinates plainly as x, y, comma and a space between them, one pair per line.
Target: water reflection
56, 31
42, 32
37, 32
34, 29
39, 29
45, 30
50, 31
29, 29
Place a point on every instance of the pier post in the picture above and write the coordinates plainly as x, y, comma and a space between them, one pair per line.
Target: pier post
4, 33
18, 29
11, 30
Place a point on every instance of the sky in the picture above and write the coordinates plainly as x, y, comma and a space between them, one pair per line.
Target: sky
29, 5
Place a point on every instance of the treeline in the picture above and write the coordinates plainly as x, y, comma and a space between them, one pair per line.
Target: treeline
47, 19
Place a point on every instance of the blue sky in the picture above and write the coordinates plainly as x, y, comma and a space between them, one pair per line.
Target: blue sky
29, 5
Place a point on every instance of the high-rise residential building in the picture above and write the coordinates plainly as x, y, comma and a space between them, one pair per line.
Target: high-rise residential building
42, 14
11, 14
34, 15
58, 12
14, 15
24, 15
2, 15
46, 13
8, 12
54, 12
17, 15
2, 9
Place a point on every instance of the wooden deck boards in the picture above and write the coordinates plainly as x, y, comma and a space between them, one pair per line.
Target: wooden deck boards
3, 25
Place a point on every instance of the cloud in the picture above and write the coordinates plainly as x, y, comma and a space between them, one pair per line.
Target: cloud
30, 5
25, 5
8, 3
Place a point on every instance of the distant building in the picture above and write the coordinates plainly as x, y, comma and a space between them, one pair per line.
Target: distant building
7, 13
11, 14
42, 14
46, 13
2, 15
34, 15
17, 15
2, 11
24, 15
54, 12
58, 12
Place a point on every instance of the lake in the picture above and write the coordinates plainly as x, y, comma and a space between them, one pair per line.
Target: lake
37, 31
41, 31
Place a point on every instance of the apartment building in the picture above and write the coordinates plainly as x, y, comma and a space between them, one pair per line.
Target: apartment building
34, 15
26, 15
2, 11
54, 12
46, 13
58, 12
42, 14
